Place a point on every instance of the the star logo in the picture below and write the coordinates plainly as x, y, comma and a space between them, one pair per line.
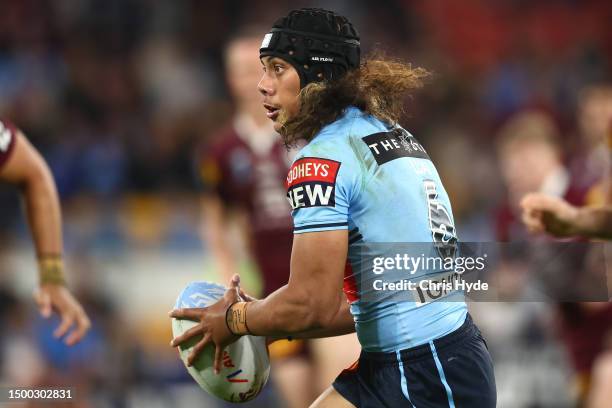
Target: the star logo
403, 138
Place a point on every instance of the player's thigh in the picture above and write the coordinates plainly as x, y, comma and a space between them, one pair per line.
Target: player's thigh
331, 399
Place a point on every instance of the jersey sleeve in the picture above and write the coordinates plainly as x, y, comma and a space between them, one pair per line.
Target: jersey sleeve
321, 184
8, 138
210, 171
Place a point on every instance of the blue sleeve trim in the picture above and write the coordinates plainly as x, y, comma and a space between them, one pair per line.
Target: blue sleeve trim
311, 226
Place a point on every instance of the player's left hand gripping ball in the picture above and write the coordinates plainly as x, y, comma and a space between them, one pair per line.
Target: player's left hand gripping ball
211, 325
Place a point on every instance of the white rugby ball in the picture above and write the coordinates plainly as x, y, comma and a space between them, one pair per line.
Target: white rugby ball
246, 364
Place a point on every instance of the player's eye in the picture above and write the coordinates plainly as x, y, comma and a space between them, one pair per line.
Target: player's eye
278, 68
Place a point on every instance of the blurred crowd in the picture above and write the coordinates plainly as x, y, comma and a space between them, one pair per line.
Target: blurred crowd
122, 96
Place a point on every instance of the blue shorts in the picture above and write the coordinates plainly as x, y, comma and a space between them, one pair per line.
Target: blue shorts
453, 371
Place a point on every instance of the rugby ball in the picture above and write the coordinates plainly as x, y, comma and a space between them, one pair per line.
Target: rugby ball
246, 365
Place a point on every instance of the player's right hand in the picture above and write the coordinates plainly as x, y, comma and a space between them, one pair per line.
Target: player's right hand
56, 297
553, 215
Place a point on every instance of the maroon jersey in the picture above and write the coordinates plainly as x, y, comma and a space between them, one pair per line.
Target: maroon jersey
254, 182
7, 141
586, 332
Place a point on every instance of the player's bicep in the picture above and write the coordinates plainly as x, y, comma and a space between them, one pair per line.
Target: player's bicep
24, 162
7, 143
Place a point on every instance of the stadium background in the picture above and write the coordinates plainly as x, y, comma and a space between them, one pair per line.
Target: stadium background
119, 94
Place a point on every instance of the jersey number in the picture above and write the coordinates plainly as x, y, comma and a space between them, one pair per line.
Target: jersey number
440, 222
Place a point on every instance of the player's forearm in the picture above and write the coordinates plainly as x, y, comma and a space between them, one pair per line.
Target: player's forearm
311, 299
290, 311
44, 217
342, 323
43, 211
594, 222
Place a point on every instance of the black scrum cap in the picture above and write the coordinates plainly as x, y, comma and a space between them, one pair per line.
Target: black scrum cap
320, 44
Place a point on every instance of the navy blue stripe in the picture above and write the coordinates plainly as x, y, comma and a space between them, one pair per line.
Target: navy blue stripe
233, 374
333, 224
352, 233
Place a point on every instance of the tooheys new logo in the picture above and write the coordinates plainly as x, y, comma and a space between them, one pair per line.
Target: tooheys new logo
311, 182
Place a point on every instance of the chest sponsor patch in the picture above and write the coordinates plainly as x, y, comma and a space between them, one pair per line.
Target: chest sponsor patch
387, 146
311, 182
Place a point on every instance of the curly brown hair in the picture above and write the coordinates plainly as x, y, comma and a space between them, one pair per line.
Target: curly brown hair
377, 88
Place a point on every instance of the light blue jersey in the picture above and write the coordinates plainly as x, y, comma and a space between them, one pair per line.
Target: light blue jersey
377, 182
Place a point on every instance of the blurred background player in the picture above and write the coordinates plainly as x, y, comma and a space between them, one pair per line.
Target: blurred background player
22, 166
587, 327
243, 173
530, 159
590, 163
543, 213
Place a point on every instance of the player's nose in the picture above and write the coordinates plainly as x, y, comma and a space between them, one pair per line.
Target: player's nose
265, 86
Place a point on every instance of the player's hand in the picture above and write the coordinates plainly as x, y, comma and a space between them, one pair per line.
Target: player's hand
245, 296
248, 298
58, 297
553, 215
211, 325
